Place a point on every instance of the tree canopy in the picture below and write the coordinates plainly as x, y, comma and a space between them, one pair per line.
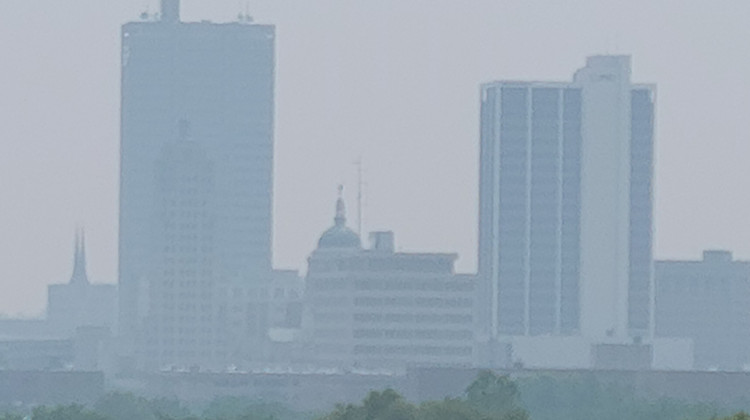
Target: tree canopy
489, 397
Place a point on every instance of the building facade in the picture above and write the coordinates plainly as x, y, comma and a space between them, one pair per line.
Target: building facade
707, 301
379, 309
195, 188
565, 219
286, 300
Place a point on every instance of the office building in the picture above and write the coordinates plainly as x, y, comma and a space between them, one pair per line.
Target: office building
195, 188
707, 301
565, 219
380, 309
285, 300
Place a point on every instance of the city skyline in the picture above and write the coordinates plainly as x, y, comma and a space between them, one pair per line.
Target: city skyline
420, 221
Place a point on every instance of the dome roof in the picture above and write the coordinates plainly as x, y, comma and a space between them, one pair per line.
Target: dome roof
339, 236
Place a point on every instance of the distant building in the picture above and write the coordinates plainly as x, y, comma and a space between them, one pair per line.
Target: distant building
26, 329
196, 191
286, 299
79, 303
709, 302
565, 219
77, 331
37, 354
380, 309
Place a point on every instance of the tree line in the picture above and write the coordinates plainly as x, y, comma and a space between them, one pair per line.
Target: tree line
489, 397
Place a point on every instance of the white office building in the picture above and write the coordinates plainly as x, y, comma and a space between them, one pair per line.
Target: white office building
565, 231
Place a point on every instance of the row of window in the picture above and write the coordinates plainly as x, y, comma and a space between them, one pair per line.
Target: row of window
413, 334
419, 265
416, 302
413, 350
414, 318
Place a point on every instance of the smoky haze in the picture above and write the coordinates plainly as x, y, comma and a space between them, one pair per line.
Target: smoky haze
393, 82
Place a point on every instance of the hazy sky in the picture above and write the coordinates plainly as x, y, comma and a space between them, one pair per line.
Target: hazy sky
393, 81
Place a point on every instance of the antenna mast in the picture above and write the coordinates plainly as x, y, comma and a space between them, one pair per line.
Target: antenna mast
359, 195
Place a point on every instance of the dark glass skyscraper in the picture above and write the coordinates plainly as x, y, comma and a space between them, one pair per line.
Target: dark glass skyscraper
536, 177
196, 183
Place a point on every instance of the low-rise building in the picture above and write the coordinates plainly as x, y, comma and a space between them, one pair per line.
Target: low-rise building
380, 309
707, 301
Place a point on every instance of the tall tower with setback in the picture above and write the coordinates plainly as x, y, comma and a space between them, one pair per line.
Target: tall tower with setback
195, 187
565, 234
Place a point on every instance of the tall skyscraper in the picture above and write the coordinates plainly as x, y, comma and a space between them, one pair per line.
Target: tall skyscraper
196, 183
565, 220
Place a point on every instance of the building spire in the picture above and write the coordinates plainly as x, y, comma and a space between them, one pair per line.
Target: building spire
79, 260
340, 219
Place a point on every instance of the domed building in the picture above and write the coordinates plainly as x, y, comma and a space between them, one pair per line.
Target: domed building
339, 236
375, 308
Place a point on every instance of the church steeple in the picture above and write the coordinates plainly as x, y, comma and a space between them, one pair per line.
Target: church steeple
79, 260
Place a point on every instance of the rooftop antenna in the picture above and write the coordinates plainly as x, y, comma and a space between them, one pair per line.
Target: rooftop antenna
617, 42
245, 17
358, 163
